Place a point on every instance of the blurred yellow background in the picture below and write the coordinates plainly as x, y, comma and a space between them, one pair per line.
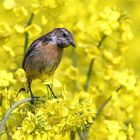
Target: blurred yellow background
133, 11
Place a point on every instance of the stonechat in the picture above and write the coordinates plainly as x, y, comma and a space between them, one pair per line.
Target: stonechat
44, 55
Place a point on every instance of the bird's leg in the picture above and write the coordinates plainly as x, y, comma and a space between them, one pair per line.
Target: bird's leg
52, 91
31, 93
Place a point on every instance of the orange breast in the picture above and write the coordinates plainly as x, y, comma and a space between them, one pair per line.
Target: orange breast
45, 60
51, 56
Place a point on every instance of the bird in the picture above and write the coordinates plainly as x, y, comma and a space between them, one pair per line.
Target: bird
44, 55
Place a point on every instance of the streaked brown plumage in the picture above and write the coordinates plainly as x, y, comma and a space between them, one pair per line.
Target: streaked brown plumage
45, 53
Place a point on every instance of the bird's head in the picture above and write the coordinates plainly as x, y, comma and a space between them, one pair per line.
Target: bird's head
62, 37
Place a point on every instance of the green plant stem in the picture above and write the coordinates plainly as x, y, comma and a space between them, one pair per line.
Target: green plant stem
30, 20
89, 73
26, 33
7, 114
83, 136
101, 41
107, 101
72, 135
103, 106
26, 42
0, 99
8, 135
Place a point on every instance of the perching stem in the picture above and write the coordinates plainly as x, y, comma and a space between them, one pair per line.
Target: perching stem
7, 114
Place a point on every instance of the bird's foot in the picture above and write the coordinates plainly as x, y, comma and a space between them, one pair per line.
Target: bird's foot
33, 98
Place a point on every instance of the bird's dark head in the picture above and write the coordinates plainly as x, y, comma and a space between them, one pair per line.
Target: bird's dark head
62, 37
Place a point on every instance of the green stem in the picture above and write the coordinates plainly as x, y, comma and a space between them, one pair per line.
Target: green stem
30, 20
8, 135
26, 33
101, 41
26, 42
0, 99
89, 73
7, 114
72, 135
107, 101
83, 135
103, 106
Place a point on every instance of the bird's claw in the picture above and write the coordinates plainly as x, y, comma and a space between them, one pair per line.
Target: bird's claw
33, 98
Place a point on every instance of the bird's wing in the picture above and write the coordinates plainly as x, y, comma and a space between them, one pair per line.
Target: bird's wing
43, 39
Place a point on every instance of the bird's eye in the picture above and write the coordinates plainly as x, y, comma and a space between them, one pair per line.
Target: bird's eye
64, 35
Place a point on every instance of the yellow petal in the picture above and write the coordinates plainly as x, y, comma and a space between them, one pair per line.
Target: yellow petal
19, 28
57, 83
9, 4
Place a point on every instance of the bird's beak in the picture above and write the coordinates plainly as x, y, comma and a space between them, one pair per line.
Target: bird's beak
72, 43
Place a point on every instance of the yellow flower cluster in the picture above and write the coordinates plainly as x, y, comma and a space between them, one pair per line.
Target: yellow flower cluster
55, 117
